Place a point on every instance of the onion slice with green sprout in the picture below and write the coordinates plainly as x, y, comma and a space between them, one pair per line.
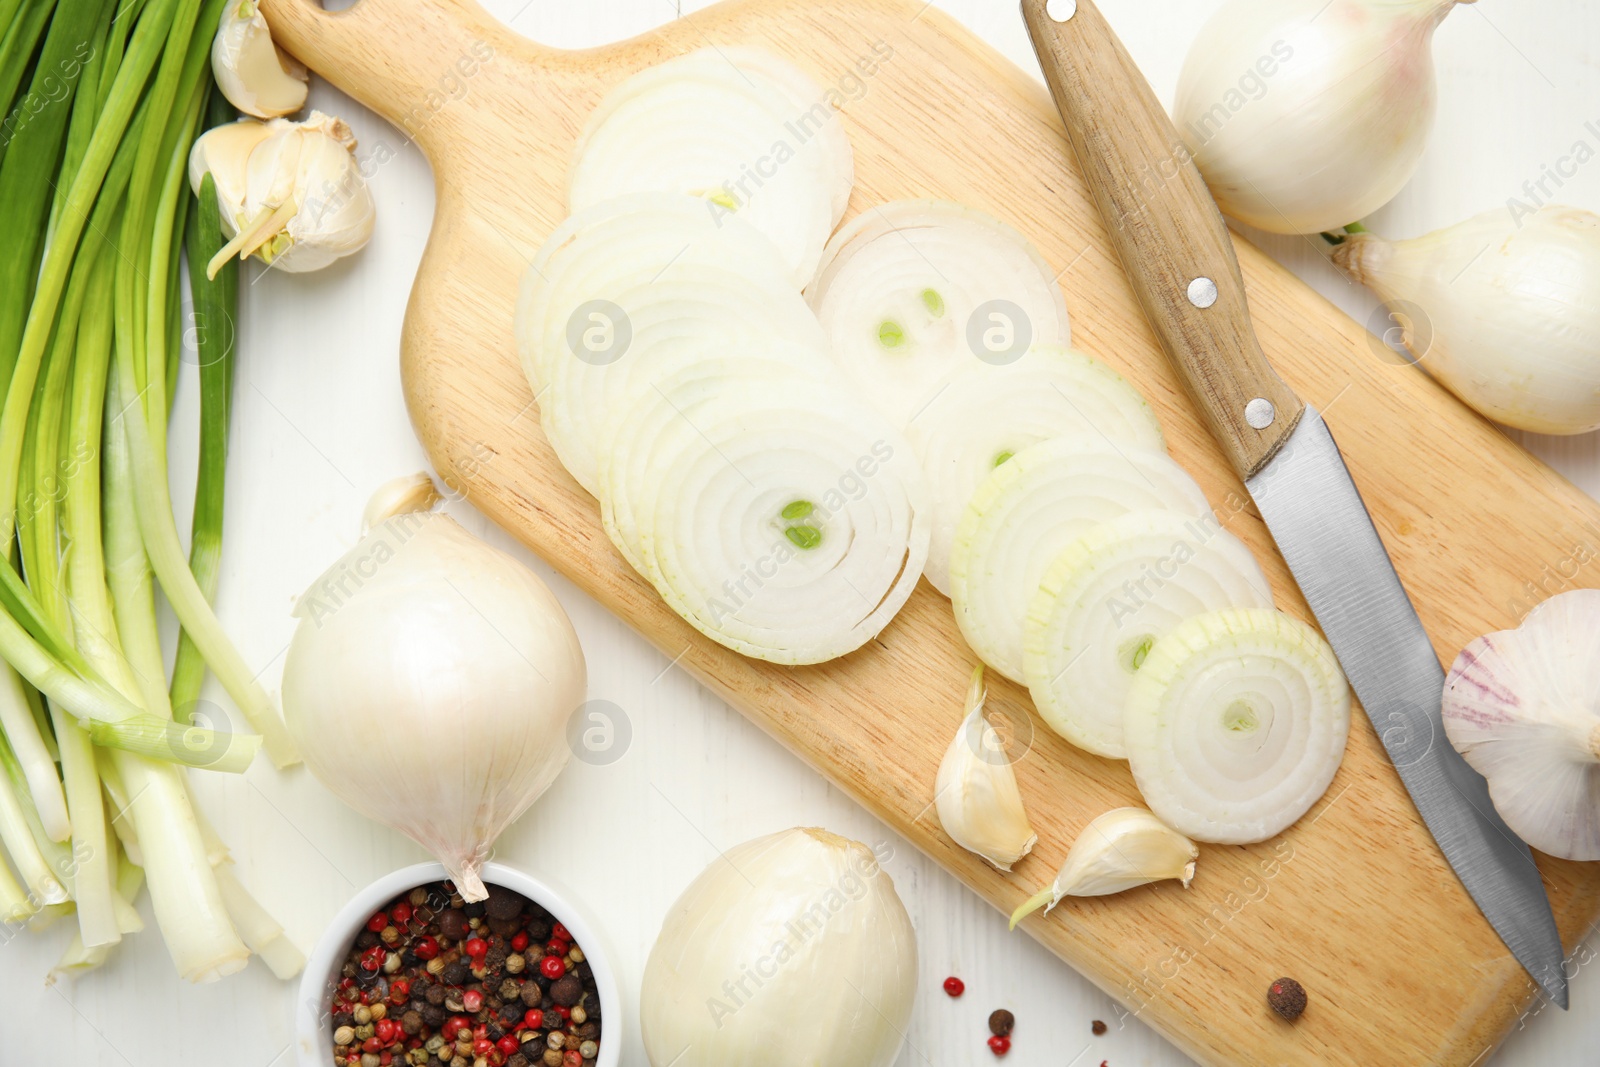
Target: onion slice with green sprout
1236, 724
728, 134
567, 304
1108, 598
980, 416
777, 516
1028, 510
914, 290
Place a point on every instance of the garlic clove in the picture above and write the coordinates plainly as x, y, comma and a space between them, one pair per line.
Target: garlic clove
1502, 309
256, 76
1523, 707
406, 495
976, 792
224, 153
1122, 849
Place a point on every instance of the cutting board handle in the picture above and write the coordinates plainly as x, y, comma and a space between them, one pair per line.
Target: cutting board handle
421, 64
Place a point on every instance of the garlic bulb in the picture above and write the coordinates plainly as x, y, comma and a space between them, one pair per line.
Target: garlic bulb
789, 951
976, 793
1504, 309
429, 684
1124, 848
1306, 115
256, 76
1523, 707
291, 193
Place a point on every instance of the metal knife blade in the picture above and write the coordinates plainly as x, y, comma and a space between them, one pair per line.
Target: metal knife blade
1316, 515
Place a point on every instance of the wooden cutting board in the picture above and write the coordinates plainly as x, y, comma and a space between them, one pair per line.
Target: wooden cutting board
1355, 900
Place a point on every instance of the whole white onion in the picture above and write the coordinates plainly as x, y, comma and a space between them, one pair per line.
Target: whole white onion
1307, 115
430, 682
790, 951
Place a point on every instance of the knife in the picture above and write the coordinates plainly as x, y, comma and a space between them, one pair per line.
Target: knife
1180, 260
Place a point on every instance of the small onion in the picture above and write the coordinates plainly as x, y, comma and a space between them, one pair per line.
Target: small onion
430, 682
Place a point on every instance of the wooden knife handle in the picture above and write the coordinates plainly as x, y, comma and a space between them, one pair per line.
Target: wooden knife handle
1166, 227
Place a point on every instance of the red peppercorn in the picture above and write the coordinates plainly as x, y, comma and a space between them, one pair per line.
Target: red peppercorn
556, 947
386, 1059
497, 1058
572, 1058
999, 1045
401, 914
378, 922
476, 947
426, 948
519, 942
534, 1019
954, 986
453, 1026
371, 960
480, 1032
372, 1044
400, 987
472, 1000
482, 1046
560, 933
552, 967
386, 1030
347, 983
508, 1044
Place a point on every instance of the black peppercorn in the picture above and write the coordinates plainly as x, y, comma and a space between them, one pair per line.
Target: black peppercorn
1287, 997
1001, 1022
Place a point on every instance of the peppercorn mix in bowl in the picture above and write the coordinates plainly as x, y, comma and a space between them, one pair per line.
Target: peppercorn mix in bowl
410, 975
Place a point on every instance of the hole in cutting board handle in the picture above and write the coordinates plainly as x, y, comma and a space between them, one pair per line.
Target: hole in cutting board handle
336, 5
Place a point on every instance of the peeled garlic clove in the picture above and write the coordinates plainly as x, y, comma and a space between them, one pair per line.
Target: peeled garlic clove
1307, 115
256, 76
1124, 848
1504, 309
430, 681
224, 153
976, 793
1523, 707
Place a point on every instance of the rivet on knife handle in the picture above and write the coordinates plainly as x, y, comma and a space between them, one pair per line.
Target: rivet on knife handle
1166, 227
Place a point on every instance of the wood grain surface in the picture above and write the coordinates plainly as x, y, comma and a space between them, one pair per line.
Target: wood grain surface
1355, 900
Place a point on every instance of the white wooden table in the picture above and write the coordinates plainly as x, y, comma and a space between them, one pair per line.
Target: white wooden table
320, 422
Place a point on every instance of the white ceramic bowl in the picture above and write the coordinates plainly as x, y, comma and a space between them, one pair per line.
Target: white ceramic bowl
313, 1029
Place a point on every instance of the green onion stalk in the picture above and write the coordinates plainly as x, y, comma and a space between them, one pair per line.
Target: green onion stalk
103, 100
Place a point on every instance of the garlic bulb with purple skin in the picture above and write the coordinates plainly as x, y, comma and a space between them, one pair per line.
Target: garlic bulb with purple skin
1523, 707
1307, 115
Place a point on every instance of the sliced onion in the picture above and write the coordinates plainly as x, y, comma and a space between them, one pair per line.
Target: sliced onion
905, 288
775, 515
694, 312
598, 255
982, 415
1028, 511
706, 127
1236, 724
1109, 597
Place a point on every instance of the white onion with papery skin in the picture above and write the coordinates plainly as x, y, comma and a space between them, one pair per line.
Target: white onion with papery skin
789, 951
1236, 724
1028, 511
773, 513
727, 134
981, 416
1504, 309
1308, 115
1523, 707
905, 286
1108, 598
429, 684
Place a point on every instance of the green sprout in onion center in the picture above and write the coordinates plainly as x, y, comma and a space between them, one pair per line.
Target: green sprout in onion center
803, 536
1135, 652
891, 334
723, 198
1240, 718
933, 302
1002, 457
